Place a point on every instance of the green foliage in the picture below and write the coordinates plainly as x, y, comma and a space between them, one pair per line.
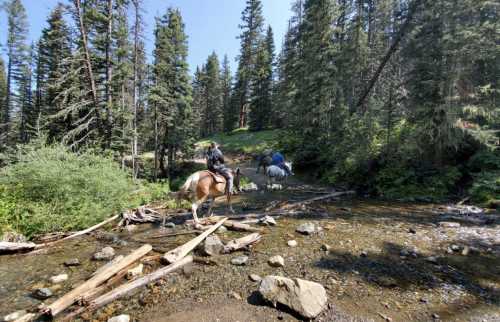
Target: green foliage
486, 187
244, 141
50, 188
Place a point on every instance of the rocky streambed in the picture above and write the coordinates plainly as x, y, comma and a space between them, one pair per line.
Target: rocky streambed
378, 261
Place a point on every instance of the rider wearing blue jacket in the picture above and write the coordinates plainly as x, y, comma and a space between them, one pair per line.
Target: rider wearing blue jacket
279, 160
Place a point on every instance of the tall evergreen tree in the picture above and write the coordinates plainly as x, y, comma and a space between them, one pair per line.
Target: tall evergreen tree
3, 89
17, 48
171, 92
261, 109
212, 113
251, 35
229, 116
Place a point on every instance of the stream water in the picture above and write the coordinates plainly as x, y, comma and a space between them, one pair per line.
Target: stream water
386, 260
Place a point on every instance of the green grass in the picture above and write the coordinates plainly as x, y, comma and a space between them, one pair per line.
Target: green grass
244, 141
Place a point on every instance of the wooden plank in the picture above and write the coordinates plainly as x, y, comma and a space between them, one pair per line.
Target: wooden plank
69, 298
242, 242
181, 251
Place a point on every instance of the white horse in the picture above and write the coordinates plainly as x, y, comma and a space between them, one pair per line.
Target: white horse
275, 173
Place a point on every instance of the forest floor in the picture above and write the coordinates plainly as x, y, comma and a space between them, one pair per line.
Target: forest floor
387, 261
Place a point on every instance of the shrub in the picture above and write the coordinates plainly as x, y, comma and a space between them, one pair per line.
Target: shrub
54, 189
486, 187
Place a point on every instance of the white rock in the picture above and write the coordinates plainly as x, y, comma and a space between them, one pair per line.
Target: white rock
105, 254
276, 261
305, 297
268, 220
250, 187
255, 277
136, 271
240, 260
58, 278
449, 224
307, 228
292, 243
14, 316
120, 318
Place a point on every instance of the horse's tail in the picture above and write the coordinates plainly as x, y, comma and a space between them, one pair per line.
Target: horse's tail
188, 186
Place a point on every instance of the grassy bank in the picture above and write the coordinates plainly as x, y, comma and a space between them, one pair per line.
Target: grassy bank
244, 141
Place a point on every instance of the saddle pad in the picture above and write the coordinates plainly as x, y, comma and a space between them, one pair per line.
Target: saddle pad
217, 177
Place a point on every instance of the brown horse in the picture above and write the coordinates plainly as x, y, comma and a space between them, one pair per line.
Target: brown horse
203, 185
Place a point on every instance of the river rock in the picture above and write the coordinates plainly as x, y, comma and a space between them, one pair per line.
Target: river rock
326, 247
222, 229
449, 224
455, 248
42, 293
307, 228
267, 220
292, 243
255, 277
276, 261
58, 278
213, 246
240, 260
14, 316
305, 297
136, 271
120, 318
106, 253
250, 187
72, 262
170, 225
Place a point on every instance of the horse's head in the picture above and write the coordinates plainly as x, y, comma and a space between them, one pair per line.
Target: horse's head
237, 178
289, 166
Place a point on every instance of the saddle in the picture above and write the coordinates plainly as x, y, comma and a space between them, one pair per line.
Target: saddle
217, 177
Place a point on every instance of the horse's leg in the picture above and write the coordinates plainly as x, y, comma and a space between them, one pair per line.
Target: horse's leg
195, 205
212, 202
229, 205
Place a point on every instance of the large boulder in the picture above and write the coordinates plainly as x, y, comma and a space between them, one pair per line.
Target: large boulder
305, 297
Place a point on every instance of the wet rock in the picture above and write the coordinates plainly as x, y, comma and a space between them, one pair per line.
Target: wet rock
424, 300
250, 187
292, 243
267, 220
255, 278
305, 297
449, 224
106, 253
72, 262
14, 316
212, 245
131, 228
120, 318
276, 261
364, 253
455, 248
412, 230
470, 250
58, 278
404, 252
42, 293
170, 225
136, 271
326, 247
239, 261
435, 316
107, 237
307, 228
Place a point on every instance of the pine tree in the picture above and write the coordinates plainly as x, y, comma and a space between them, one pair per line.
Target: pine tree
251, 35
229, 116
3, 89
54, 53
212, 113
261, 109
27, 115
17, 48
171, 93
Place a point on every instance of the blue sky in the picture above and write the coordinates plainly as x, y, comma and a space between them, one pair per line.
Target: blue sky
210, 24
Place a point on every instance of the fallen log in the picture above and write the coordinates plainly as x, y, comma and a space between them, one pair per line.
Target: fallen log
26, 318
181, 251
190, 232
79, 233
311, 200
107, 265
141, 215
69, 298
229, 224
8, 247
124, 289
242, 242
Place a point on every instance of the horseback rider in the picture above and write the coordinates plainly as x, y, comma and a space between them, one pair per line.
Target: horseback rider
279, 160
215, 163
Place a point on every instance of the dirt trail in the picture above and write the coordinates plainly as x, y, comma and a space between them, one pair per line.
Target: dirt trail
386, 260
